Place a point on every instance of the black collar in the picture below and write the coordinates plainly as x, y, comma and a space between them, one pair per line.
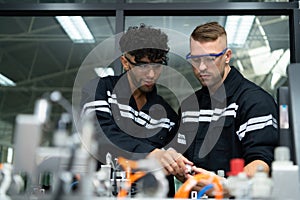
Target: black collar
229, 86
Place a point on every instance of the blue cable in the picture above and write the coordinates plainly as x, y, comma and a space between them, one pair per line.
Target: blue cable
73, 184
203, 190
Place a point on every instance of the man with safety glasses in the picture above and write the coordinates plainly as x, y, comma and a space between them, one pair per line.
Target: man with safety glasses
236, 119
136, 120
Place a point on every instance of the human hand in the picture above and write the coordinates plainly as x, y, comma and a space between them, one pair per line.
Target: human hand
251, 168
203, 182
213, 178
172, 161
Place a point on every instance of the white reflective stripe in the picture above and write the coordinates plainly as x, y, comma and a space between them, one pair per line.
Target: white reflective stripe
191, 113
205, 119
90, 107
96, 103
275, 122
114, 96
230, 113
254, 120
163, 123
226, 113
110, 100
254, 127
162, 120
228, 108
211, 115
190, 119
145, 116
104, 110
181, 141
139, 116
218, 111
259, 119
89, 110
123, 107
143, 122
209, 118
140, 121
233, 105
196, 119
206, 112
127, 114
108, 93
215, 118
242, 127
150, 126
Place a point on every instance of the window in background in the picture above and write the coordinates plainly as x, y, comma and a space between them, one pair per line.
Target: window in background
262, 56
39, 57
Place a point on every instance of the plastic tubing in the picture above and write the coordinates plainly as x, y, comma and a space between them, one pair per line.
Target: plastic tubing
131, 177
184, 190
203, 190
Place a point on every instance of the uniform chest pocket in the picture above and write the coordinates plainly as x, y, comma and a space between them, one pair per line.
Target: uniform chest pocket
223, 132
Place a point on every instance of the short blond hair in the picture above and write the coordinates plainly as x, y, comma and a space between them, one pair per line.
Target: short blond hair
208, 32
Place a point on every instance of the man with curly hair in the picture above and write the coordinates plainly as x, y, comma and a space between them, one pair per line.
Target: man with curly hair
136, 120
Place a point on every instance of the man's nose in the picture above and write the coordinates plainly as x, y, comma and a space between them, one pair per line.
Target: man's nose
202, 66
150, 71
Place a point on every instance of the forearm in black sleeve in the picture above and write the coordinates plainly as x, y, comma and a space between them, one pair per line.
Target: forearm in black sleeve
261, 134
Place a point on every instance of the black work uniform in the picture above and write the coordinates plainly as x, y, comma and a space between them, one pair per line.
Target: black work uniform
238, 121
129, 132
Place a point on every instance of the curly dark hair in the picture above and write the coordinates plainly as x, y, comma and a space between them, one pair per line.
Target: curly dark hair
145, 41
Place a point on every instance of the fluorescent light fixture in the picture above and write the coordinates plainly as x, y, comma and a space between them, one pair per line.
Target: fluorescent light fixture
238, 28
6, 81
76, 29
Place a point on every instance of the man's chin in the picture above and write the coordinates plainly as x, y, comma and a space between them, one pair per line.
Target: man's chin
147, 88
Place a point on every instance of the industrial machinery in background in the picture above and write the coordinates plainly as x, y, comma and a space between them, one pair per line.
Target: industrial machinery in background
67, 168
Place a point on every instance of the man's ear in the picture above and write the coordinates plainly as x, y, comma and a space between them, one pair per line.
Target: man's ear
228, 56
125, 63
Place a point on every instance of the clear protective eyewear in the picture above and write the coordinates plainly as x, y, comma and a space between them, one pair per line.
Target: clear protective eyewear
147, 65
208, 59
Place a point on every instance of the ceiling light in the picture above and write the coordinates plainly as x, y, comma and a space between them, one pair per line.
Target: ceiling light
6, 81
76, 29
238, 28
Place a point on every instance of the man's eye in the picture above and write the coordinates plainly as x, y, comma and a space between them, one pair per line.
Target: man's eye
156, 65
143, 65
212, 58
196, 60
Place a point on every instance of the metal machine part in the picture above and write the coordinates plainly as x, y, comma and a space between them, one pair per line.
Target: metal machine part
136, 170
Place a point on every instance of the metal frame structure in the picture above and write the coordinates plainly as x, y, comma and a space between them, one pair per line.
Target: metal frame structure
120, 9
